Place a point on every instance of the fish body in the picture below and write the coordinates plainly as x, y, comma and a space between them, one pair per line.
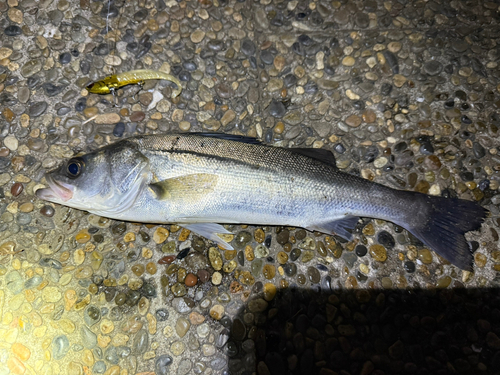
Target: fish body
198, 180
133, 77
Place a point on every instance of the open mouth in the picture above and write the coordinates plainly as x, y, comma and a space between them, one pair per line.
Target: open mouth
57, 191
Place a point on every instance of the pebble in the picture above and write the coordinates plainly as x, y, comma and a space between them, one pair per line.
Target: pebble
36, 109
433, 67
16, 189
60, 347
160, 235
353, 121
425, 256
190, 280
215, 258
107, 118
13, 30
348, 61
378, 253
162, 364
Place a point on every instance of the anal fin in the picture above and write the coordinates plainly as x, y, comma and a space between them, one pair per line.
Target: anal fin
209, 231
342, 227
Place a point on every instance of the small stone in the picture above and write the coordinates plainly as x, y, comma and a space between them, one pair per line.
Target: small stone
11, 142
269, 271
348, 61
399, 80
215, 258
83, 236
37, 109
162, 364
216, 278
107, 119
369, 116
378, 253
160, 235
261, 251
217, 312
433, 67
51, 294
257, 305
248, 47
60, 347
16, 189
137, 116
190, 280
353, 121
196, 318
425, 256
277, 109
313, 275
197, 36
269, 291
177, 348
13, 30
21, 351
182, 326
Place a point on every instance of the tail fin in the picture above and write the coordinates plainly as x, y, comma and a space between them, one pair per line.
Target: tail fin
442, 223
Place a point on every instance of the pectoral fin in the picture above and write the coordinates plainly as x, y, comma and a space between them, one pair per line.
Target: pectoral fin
209, 231
343, 227
192, 186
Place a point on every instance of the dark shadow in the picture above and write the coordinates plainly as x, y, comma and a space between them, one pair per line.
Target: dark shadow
307, 331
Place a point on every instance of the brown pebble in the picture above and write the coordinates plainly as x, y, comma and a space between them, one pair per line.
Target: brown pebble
4, 151
353, 121
26, 207
369, 116
145, 98
433, 162
17, 163
47, 211
269, 271
16, 189
266, 44
167, 260
203, 275
8, 114
137, 116
190, 280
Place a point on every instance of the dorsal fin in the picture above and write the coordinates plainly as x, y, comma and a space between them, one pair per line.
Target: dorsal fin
320, 154
229, 137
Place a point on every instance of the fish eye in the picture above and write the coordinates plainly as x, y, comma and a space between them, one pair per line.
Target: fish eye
74, 168
90, 86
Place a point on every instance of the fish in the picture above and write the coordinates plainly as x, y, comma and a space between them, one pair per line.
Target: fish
200, 181
111, 83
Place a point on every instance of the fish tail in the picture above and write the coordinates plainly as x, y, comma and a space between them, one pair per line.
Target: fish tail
441, 224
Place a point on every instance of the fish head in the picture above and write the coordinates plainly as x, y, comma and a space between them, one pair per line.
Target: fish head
98, 87
106, 182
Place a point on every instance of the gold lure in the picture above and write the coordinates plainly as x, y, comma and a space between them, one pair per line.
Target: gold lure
134, 77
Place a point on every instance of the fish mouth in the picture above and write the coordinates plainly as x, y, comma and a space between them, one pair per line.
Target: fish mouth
57, 191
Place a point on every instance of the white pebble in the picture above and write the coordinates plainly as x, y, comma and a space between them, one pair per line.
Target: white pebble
11, 142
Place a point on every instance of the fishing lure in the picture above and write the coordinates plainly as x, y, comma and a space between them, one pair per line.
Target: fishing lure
134, 77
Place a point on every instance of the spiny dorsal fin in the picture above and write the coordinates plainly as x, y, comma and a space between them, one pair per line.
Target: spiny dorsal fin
320, 154
229, 137
191, 186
